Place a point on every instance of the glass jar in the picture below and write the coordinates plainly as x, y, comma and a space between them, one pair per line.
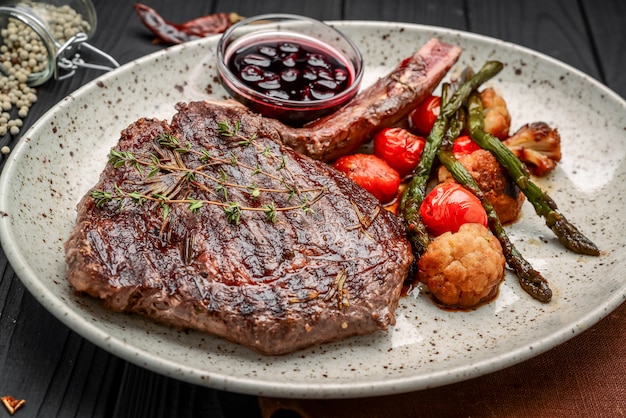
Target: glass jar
40, 40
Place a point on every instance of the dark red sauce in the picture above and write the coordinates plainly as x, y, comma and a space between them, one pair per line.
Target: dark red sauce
290, 71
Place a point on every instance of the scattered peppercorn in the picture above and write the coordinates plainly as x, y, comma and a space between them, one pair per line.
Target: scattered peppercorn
23, 53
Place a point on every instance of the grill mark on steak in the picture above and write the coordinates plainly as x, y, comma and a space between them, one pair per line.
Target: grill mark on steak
268, 286
305, 279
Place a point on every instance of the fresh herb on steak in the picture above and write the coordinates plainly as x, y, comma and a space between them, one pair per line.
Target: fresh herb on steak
169, 180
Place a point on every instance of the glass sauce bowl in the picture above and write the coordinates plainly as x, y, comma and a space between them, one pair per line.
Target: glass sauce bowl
289, 67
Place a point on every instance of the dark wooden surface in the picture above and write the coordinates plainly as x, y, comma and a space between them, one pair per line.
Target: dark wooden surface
61, 374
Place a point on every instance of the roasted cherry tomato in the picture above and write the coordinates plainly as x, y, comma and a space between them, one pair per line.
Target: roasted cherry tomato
371, 173
448, 206
399, 148
425, 114
463, 145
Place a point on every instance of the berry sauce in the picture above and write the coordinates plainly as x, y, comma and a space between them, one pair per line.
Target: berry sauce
290, 71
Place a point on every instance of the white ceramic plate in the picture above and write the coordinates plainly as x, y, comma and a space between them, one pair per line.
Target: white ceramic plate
62, 155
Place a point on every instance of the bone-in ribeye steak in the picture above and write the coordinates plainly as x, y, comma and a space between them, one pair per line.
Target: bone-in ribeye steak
209, 222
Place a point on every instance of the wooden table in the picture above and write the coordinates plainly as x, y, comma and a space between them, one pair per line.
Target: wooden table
59, 373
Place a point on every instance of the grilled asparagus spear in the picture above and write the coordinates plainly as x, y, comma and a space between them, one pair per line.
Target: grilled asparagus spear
566, 232
530, 279
414, 193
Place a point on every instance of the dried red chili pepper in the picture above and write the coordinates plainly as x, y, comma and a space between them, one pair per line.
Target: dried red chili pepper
12, 404
188, 31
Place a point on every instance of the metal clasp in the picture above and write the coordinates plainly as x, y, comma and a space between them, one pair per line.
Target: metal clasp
70, 65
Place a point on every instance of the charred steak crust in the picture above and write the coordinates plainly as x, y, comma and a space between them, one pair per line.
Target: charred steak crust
330, 265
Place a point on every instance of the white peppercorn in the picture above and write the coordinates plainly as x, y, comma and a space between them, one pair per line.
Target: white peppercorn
23, 53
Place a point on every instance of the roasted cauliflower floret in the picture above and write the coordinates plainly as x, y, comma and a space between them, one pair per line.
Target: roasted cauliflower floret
463, 269
502, 192
538, 146
496, 114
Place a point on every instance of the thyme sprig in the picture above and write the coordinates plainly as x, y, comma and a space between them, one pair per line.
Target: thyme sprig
225, 129
171, 178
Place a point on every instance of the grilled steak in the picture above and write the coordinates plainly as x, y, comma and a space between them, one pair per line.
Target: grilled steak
383, 104
209, 222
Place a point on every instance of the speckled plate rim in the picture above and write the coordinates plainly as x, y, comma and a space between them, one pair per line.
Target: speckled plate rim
125, 348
